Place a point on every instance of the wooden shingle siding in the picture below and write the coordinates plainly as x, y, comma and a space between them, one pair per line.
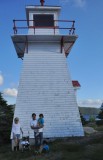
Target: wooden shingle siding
45, 87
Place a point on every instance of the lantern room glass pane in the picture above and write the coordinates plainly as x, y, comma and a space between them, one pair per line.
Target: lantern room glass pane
43, 20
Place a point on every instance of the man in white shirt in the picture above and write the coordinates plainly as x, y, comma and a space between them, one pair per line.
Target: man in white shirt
33, 125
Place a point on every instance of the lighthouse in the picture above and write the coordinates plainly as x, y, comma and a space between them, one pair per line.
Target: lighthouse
45, 83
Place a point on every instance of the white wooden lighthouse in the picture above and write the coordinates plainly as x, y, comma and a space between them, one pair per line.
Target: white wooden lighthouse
45, 84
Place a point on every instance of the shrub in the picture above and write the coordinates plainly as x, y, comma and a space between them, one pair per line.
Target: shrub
6, 116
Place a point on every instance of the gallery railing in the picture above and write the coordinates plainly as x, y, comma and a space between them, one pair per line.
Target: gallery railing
70, 29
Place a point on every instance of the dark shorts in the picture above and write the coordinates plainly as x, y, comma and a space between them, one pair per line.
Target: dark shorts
16, 136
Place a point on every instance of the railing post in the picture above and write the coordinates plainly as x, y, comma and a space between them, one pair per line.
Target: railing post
62, 44
54, 30
14, 28
73, 28
69, 31
73, 31
34, 26
54, 27
34, 29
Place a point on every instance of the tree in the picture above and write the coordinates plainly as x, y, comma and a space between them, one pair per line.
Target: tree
100, 115
101, 108
6, 117
83, 120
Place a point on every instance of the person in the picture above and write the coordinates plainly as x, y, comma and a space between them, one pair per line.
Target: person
16, 130
40, 130
33, 125
41, 121
44, 147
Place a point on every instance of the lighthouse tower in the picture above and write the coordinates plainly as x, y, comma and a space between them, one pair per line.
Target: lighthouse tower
45, 83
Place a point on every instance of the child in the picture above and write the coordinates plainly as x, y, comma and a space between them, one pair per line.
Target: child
16, 129
40, 123
45, 147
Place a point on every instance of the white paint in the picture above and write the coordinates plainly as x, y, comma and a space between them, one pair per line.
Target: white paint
44, 47
46, 87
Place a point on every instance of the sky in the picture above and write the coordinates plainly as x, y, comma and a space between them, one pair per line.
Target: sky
85, 60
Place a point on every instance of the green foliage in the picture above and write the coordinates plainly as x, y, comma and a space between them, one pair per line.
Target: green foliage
101, 108
6, 116
100, 115
92, 119
83, 120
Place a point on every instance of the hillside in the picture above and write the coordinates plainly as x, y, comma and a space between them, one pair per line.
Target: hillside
89, 110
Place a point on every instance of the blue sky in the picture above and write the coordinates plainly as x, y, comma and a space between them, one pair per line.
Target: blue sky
85, 60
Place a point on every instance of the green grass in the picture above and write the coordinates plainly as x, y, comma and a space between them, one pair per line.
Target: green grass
87, 148
99, 128
59, 150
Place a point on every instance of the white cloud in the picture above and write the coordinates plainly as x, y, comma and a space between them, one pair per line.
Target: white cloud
12, 92
79, 3
90, 103
1, 79
76, 3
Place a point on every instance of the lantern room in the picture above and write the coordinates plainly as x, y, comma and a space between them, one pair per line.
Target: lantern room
42, 20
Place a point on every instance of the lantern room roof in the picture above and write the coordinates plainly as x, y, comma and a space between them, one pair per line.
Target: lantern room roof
36, 7
41, 7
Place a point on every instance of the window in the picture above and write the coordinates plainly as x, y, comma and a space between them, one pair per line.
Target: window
44, 20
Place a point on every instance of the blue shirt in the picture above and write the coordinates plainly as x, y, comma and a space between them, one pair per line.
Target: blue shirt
41, 121
46, 147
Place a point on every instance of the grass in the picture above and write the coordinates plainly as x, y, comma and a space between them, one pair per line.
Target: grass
86, 148
99, 128
59, 150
